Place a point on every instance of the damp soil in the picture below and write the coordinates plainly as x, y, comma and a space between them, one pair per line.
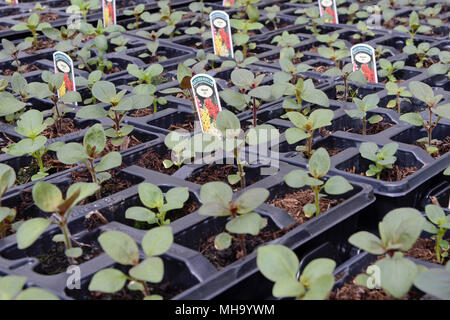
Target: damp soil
322, 69
166, 289
188, 124
67, 126
26, 201
55, 261
424, 249
397, 173
293, 203
25, 69
129, 142
372, 128
442, 145
219, 172
222, 258
42, 44
25, 173
114, 69
152, 160
45, 17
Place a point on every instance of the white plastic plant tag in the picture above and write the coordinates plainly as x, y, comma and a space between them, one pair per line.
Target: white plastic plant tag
13, 2
63, 64
329, 7
109, 12
207, 102
363, 58
227, 3
221, 34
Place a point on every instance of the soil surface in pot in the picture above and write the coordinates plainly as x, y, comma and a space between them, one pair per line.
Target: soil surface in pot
25, 173
397, 173
215, 172
222, 258
293, 204
152, 160
55, 261
67, 126
188, 124
26, 68
443, 147
42, 44
424, 249
165, 289
372, 128
45, 17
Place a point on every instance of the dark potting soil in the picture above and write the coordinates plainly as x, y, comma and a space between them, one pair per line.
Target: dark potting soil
293, 203
322, 69
42, 44
67, 126
188, 124
45, 17
216, 172
397, 173
442, 145
221, 258
372, 128
55, 261
24, 174
152, 160
114, 69
351, 291
26, 68
21, 210
424, 249
129, 142
165, 289
93, 220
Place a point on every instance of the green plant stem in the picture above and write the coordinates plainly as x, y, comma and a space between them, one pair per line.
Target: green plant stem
34, 34
398, 103
309, 144
244, 50
155, 105
240, 168
242, 241
38, 157
2, 230
439, 237
316, 190
364, 129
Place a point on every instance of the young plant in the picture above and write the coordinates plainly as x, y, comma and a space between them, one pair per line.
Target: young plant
319, 165
181, 147
30, 125
92, 79
364, 32
166, 15
32, 25
83, 7
424, 93
414, 28
271, 13
400, 93
10, 50
7, 181
239, 61
200, 15
399, 230
138, 13
152, 197
217, 201
368, 103
384, 158
438, 225
311, 18
250, 95
353, 13
334, 54
434, 282
380, 51
123, 249
422, 51
11, 289
242, 37
147, 76
347, 74
120, 42
280, 265
442, 66
286, 40
388, 69
306, 126
49, 198
152, 47
94, 142
118, 106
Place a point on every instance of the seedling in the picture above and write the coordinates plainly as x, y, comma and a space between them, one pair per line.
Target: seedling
388, 69
311, 18
250, 95
242, 37
49, 198
118, 106
384, 158
381, 51
11, 289
422, 51
217, 201
201, 13
364, 32
203, 60
166, 15
7, 181
280, 265
434, 282
32, 25
94, 142
62, 34
83, 7
30, 125
25, 90
353, 13
335, 55
120, 42
306, 126
149, 75
399, 230
332, 41
414, 28
400, 93
152, 47
431, 15
9, 105
153, 198
438, 225
93, 78
10, 50
139, 14
123, 249
319, 165
286, 40
239, 61
441, 67
271, 13
181, 149
343, 91
368, 103
424, 93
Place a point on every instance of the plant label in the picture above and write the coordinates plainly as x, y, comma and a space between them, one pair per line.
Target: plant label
329, 7
207, 102
227, 3
109, 12
221, 34
13, 2
63, 64
363, 58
